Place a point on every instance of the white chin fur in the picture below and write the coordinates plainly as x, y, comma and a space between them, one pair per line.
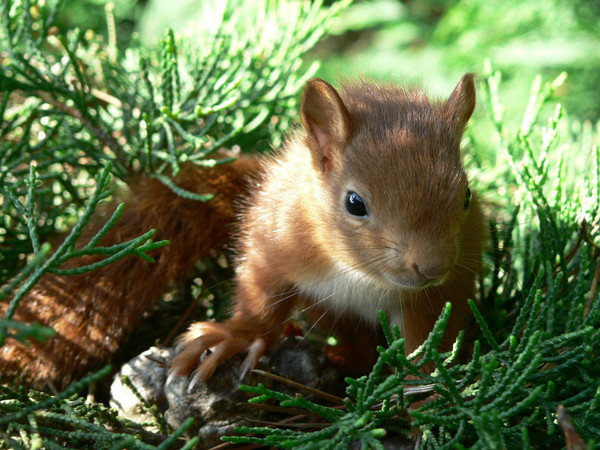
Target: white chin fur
345, 289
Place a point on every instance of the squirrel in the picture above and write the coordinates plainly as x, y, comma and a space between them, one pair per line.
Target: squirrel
367, 206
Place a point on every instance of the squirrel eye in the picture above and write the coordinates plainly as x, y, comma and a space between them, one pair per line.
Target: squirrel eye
355, 205
467, 199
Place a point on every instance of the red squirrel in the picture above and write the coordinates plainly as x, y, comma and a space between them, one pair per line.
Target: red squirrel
366, 207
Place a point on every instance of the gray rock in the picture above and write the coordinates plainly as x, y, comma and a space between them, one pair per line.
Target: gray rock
217, 406
148, 374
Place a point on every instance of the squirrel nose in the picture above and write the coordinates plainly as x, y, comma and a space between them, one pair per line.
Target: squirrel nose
432, 271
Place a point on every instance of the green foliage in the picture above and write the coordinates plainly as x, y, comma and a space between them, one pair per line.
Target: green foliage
437, 41
37, 420
71, 108
77, 110
42, 262
538, 317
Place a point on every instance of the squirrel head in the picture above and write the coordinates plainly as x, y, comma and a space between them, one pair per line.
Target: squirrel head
389, 161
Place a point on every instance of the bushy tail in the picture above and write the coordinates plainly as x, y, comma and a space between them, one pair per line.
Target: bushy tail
91, 313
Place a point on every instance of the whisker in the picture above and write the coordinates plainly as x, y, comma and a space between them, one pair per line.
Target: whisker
315, 324
287, 295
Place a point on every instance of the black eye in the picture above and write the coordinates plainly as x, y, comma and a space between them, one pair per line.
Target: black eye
355, 205
467, 199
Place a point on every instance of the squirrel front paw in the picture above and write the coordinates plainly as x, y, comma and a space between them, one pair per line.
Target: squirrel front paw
223, 342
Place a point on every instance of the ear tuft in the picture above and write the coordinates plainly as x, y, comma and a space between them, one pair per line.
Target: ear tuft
461, 104
326, 119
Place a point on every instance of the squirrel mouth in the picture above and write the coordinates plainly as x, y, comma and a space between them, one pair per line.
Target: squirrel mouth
408, 281
415, 279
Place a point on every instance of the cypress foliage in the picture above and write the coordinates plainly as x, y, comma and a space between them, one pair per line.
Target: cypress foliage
75, 114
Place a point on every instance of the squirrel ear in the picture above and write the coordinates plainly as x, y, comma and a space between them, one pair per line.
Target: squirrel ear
461, 103
326, 119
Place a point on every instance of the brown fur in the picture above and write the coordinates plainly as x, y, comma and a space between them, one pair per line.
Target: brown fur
398, 148
418, 249
91, 313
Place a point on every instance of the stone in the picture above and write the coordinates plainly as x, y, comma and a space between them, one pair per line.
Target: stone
218, 406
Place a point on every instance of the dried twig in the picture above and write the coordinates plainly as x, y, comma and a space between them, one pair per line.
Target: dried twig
316, 392
573, 440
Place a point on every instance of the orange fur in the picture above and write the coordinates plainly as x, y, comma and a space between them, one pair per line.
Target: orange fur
418, 247
91, 313
296, 244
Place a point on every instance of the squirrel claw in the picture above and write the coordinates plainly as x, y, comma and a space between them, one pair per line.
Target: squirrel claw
223, 344
194, 343
255, 351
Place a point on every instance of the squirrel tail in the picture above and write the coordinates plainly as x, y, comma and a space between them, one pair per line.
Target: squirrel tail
91, 313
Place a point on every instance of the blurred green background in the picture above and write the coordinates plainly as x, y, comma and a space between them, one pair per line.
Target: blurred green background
435, 41
429, 42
